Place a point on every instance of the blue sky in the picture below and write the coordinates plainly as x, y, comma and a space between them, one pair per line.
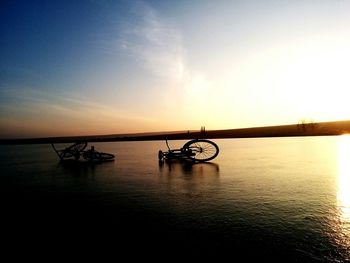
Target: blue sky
100, 67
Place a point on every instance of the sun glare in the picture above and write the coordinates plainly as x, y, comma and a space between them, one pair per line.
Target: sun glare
316, 84
343, 193
280, 84
344, 169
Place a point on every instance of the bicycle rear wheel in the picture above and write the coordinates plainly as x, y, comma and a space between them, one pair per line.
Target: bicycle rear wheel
201, 150
77, 147
73, 151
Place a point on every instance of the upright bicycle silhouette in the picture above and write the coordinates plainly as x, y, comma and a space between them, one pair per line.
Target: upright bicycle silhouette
196, 150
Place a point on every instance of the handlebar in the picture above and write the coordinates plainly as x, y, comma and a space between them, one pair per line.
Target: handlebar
166, 141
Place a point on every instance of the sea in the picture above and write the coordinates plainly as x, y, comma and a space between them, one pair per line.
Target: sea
260, 200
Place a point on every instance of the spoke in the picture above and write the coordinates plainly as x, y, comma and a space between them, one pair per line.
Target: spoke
202, 150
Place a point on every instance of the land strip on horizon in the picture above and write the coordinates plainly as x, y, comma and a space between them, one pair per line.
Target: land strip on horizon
300, 129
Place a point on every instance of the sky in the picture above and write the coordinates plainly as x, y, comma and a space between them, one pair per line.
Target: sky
108, 67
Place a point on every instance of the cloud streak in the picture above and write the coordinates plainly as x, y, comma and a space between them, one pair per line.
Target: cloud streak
43, 113
153, 42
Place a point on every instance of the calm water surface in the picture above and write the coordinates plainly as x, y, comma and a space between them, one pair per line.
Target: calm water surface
280, 199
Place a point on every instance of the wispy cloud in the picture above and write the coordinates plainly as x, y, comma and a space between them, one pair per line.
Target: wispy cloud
153, 42
65, 114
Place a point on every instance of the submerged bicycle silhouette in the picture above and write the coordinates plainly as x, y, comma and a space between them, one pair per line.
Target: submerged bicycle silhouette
196, 150
77, 152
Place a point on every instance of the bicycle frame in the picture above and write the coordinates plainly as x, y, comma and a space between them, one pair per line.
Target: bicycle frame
77, 150
174, 152
198, 150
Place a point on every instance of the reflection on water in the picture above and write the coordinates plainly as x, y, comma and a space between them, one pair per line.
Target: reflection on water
190, 178
188, 167
343, 193
286, 199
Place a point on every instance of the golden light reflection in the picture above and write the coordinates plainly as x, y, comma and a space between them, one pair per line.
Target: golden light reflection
343, 193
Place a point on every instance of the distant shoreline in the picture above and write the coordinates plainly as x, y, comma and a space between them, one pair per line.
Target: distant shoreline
292, 130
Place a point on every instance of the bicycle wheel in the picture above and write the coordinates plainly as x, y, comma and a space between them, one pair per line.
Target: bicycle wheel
201, 150
73, 151
77, 147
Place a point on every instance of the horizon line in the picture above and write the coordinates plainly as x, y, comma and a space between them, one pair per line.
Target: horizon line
303, 128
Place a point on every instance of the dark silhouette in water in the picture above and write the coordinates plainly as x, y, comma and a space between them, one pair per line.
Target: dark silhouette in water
172, 167
77, 150
197, 150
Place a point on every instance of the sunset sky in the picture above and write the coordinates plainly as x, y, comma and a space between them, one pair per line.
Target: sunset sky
104, 67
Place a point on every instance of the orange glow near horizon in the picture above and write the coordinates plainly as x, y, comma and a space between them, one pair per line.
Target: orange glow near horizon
144, 71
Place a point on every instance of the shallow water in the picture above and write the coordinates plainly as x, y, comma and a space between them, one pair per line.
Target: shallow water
279, 199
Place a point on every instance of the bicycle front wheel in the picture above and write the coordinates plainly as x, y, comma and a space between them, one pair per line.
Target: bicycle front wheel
201, 150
